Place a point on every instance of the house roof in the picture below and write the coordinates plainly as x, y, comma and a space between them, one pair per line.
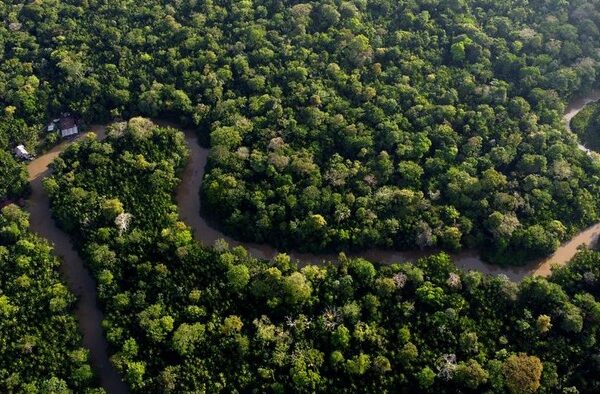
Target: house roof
70, 131
66, 123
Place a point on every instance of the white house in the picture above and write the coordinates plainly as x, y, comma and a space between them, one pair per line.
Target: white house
21, 153
50, 127
68, 127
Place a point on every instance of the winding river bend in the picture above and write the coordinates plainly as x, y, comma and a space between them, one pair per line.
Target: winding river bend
189, 210
82, 284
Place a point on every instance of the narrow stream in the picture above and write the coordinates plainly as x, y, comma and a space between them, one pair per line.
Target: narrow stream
78, 278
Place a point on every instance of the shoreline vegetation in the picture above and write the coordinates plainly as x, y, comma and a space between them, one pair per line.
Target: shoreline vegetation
205, 232
261, 325
394, 125
41, 348
373, 125
73, 269
586, 124
189, 208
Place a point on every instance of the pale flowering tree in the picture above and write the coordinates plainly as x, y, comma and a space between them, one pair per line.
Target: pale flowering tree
276, 143
123, 220
400, 279
290, 322
220, 245
446, 366
508, 288
15, 26
454, 281
370, 180
331, 318
279, 160
243, 152
425, 236
434, 194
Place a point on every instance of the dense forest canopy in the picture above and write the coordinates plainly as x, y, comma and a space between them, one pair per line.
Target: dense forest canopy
40, 344
184, 318
337, 124
13, 177
332, 124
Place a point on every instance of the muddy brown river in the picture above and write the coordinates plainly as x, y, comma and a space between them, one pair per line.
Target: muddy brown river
78, 278
82, 284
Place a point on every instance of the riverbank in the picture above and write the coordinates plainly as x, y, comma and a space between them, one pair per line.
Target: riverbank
575, 107
82, 284
189, 204
78, 278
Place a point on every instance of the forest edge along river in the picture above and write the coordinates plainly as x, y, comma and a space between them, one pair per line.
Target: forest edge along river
78, 278
82, 284
189, 205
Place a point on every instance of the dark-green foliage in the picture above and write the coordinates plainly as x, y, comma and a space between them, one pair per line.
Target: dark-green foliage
181, 317
401, 124
40, 344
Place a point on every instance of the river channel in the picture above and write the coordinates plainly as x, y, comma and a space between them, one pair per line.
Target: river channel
82, 284
189, 202
78, 278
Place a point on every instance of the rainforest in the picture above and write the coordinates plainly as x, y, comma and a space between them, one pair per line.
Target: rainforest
459, 138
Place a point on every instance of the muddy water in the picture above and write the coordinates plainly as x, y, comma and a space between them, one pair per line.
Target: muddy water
83, 286
78, 278
188, 202
189, 207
